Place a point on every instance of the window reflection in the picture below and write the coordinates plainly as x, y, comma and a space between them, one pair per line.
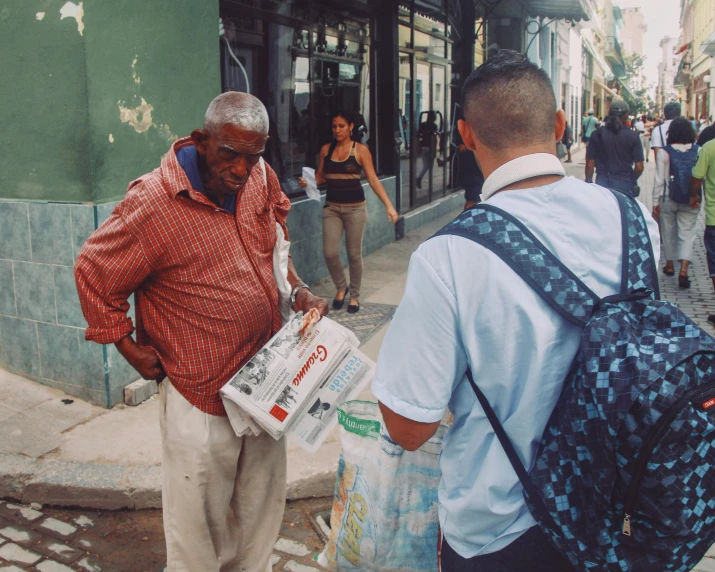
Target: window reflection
429, 44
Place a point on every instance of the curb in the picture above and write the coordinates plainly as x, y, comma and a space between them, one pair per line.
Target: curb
109, 487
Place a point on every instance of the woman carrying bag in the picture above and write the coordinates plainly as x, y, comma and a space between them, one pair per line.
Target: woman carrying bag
345, 211
672, 200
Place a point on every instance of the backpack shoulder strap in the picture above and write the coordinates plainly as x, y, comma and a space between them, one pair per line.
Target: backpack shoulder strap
511, 241
638, 270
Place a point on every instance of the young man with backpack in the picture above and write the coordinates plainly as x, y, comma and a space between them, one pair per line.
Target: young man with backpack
536, 303
671, 198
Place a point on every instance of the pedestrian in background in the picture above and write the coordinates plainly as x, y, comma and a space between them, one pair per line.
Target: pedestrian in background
464, 307
659, 136
427, 142
705, 122
677, 218
706, 134
194, 240
615, 153
589, 126
342, 163
643, 130
703, 183
567, 140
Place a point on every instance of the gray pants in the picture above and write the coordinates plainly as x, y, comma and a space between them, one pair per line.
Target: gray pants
677, 225
352, 219
427, 159
223, 495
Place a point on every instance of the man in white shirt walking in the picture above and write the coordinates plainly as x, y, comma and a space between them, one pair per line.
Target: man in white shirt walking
465, 307
659, 135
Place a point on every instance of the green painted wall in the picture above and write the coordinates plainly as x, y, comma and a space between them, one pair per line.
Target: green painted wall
43, 104
64, 135
162, 52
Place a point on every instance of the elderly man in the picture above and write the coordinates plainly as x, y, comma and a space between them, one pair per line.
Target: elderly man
464, 307
194, 240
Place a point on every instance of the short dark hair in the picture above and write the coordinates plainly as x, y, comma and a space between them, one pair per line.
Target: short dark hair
671, 110
508, 99
681, 131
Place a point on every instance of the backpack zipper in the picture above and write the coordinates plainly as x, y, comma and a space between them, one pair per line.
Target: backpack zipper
655, 436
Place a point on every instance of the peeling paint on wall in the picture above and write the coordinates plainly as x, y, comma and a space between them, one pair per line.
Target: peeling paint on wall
111, 138
39, 15
166, 132
135, 75
138, 117
72, 10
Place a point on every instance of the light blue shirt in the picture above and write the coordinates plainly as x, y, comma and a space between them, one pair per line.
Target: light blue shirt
464, 307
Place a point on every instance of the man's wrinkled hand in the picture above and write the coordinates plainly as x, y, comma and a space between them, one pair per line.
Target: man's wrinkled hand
656, 211
695, 202
141, 358
305, 300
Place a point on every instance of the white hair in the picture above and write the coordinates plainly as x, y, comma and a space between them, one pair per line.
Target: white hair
236, 108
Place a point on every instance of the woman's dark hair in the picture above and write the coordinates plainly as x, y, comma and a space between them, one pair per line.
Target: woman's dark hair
681, 131
344, 114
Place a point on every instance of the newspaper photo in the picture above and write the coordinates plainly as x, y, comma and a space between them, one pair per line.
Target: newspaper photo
294, 384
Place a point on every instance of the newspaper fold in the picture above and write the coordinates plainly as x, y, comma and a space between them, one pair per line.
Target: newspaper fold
294, 385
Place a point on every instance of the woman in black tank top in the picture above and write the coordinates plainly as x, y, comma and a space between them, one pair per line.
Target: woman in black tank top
341, 165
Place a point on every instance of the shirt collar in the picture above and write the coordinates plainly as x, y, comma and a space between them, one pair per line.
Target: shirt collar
525, 167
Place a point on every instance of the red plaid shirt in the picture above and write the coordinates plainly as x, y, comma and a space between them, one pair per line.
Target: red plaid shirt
203, 277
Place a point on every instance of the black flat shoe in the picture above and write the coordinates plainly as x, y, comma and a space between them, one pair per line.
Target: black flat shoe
337, 304
353, 308
711, 319
683, 282
668, 272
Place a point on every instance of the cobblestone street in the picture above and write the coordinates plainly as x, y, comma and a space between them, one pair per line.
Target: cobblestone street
52, 540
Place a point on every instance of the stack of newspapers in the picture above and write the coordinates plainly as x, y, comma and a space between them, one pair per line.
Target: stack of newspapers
295, 383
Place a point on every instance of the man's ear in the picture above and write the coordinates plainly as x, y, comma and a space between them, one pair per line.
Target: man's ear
560, 125
200, 137
467, 135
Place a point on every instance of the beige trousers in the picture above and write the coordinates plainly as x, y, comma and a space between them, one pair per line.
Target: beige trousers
352, 220
223, 495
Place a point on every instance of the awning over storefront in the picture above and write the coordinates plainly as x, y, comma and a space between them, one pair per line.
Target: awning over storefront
607, 89
561, 9
607, 71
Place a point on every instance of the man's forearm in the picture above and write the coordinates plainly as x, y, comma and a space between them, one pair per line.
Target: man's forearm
638, 170
293, 279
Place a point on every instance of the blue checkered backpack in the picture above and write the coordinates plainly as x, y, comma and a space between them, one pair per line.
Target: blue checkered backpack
623, 477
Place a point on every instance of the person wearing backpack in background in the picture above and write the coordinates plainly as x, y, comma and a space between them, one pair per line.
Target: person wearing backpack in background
671, 198
659, 135
615, 153
702, 182
589, 126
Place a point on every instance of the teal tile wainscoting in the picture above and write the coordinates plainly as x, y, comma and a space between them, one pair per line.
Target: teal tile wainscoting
41, 322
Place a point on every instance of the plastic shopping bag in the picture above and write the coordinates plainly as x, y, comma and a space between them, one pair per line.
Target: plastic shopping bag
385, 507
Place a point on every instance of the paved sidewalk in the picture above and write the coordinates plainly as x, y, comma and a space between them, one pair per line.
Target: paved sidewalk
58, 450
